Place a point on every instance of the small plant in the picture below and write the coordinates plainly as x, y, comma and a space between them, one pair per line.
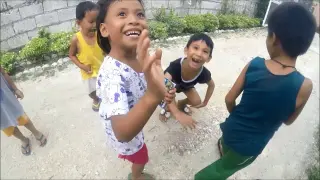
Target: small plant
60, 43
43, 33
175, 24
160, 14
210, 22
8, 60
158, 30
35, 50
194, 23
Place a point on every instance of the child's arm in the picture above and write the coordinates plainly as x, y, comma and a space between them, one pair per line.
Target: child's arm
236, 90
302, 99
12, 85
209, 93
127, 126
8, 79
73, 55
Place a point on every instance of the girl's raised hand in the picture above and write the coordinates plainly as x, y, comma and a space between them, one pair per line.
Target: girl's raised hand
151, 66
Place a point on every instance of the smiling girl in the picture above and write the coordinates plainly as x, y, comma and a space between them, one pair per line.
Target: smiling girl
130, 82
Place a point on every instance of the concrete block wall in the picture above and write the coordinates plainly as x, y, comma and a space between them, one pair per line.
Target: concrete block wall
22, 19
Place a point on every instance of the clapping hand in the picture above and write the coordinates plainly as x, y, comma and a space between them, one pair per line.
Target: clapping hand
151, 67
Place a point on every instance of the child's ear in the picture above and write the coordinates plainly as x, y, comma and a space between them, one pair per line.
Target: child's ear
185, 51
209, 59
104, 30
78, 22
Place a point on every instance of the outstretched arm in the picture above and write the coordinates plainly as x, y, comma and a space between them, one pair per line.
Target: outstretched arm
209, 93
8, 79
12, 85
236, 90
302, 99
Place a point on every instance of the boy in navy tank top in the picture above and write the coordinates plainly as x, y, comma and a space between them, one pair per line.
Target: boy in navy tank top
274, 92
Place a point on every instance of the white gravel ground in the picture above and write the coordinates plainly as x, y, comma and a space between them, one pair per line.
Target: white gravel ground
76, 149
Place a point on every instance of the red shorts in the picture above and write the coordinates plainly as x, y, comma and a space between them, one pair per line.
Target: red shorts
140, 157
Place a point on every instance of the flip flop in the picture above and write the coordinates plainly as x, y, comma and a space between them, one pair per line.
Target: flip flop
26, 150
42, 140
165, 113
95, 107
220, 147
186, 110
145, 176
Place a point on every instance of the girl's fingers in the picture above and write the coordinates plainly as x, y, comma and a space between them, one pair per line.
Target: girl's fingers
147, 60
143, 35
158, 55
141, 52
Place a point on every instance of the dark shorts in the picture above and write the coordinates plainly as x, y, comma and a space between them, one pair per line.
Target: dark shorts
180, 88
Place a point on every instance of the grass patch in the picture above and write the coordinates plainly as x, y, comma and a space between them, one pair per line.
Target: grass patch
313, 172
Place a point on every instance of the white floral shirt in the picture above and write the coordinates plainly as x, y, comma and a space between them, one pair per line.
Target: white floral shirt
119, 87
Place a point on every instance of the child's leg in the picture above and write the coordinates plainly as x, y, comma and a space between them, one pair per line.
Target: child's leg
226, 166
37, 134
94, 97
138, 160
137, 170
25, 147
192, 99
92, 93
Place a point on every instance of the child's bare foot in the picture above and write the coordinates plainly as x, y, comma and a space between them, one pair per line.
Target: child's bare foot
164, 115
25, 147
144, 176
184, 108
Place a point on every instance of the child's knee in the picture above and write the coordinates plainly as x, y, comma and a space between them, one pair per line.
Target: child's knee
194, 101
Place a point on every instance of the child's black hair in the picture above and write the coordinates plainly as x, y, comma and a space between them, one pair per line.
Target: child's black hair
203, 37
103, 42
294, 26
84, 7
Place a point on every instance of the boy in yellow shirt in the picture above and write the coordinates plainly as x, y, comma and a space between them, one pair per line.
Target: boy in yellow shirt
84, 50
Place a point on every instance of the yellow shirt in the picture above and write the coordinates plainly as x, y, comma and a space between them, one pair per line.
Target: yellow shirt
89, 55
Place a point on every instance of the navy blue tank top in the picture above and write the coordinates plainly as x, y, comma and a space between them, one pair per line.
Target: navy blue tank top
267, 101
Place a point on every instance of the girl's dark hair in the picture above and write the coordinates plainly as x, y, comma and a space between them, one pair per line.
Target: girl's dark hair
84, 7
103, 42
202, 37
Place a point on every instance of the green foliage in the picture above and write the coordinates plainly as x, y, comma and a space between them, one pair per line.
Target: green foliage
210, 22
35, 50
225, 22
313, 172
160, 15
43, 33
194, 23
60, 42
175, 24
237, 21
8, 60
158, 30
